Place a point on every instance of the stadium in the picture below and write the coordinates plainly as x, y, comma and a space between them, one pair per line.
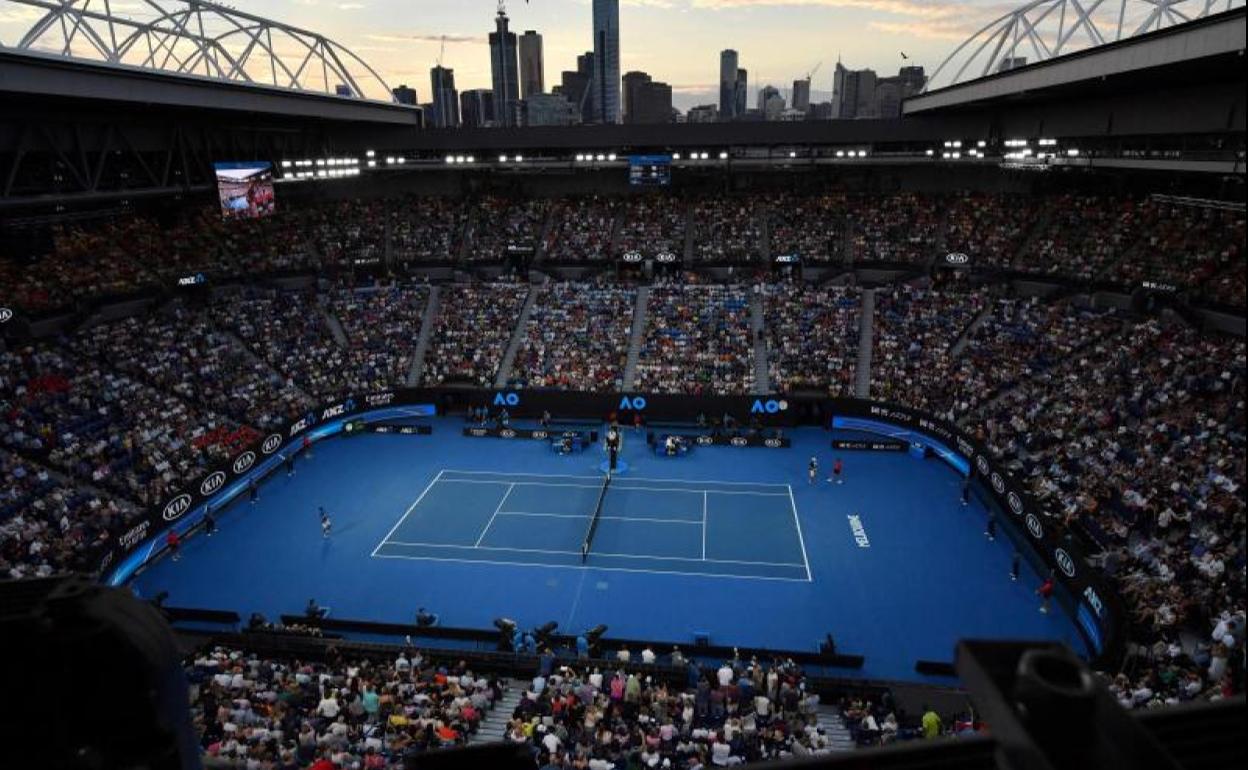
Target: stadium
335, 440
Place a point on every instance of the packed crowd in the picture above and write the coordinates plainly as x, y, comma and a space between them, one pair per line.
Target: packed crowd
810, 227
253, 711
698, 340
1138, 442
727, 229
1127, 240
426, 229
49, 524
289, 331
740, 713
915, 331
498, 224
653, 224
812, 337
382, 327
582, 229
576, 338
474, 325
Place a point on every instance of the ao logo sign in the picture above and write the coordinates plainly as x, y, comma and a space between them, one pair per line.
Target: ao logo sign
271, 444
214, 482
507, 399
1064, 562
1034, 526
244, 461
1016, 503
176, 507
770, 406
636, 403
665, 258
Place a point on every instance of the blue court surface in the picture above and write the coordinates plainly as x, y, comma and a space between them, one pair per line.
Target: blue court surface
731, 542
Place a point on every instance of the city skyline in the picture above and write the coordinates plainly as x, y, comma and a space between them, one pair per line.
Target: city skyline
675, 41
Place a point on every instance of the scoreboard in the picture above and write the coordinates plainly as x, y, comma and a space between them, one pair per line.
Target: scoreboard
650, 170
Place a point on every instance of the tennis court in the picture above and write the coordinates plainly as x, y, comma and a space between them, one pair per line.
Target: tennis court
717, 528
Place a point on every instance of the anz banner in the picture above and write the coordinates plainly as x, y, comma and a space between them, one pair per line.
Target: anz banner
1098, 612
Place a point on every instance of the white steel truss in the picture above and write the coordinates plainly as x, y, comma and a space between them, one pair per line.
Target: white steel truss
1045, 29
189, 37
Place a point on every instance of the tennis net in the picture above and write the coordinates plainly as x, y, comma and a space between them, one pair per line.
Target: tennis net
593, 521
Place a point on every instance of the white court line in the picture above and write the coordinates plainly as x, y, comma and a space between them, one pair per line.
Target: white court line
703, 526
614, 487
490, 523
593, 553
626, 479
603, 569
801, 541
410, 508
603, 518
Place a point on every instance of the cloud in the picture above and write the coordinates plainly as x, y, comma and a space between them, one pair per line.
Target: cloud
927, 30
927, 10
428, 38
351, 6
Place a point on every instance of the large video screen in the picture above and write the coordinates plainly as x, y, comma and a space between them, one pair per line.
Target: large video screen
648, 170
245, 189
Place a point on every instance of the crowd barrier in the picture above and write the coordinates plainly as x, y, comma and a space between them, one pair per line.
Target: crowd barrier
1093, 605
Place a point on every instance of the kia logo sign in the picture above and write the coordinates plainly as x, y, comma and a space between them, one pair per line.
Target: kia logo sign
773, 443
1016, 503
244, 461
665, 258
739, 441
957, 258
507, 433
1064, 562
478, 431
214, 482
176, 507
1034, 526
540, 434
632, 256
981, 462
271, 444
998, 483
6, 315
705, 440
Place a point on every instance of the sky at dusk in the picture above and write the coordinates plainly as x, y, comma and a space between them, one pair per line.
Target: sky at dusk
675, 41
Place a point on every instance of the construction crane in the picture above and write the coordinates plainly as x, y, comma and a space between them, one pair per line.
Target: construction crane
810, 74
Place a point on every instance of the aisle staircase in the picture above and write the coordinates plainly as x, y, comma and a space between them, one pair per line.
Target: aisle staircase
422, 341
635, 337
866, 343
493, 727
762, 374
829, 720
517, 337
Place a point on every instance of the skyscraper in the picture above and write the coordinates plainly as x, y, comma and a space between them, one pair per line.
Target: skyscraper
575, 85
801, 94
605, 87
443, 97
503, 72
405, 95
646, 100
477, 107
739, 93
532, 66
727, 84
